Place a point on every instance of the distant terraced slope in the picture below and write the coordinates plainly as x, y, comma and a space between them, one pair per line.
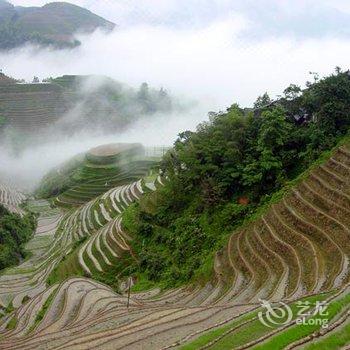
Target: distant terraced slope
76, 103
11, 199
101, 169
31, 107
298, 249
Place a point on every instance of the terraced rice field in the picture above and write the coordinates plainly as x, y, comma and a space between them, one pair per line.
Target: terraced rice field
11, 199
96, 180
98, 221
297, 251
32, 106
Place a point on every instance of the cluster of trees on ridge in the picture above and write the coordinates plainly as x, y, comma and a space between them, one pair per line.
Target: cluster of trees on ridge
15, 231
227, 169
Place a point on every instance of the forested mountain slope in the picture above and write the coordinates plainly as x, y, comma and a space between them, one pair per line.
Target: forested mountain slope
52, 24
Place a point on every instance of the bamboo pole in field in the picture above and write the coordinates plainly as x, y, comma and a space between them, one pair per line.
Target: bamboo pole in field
129, 287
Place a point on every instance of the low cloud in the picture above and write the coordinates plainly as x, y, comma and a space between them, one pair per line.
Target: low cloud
211, 64
25, 169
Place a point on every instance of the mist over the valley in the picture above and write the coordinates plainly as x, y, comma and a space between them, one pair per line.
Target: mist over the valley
27, 155
25, 168
203, 68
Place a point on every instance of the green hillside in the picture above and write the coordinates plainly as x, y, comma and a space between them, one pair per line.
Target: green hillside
87, 176
239, 239
15, 231
228, 170
293, 252
53, 24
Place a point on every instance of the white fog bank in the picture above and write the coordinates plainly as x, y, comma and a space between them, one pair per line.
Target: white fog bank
212, 64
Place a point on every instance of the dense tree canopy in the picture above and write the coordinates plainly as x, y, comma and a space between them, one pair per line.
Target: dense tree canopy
15, 231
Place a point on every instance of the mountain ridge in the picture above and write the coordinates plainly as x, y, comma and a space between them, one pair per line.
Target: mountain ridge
54, 24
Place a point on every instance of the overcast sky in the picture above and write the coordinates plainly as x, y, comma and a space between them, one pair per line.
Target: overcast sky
220, 51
